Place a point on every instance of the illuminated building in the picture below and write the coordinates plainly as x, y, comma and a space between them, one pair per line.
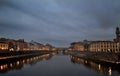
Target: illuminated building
20, 44
77, 46
104, 46
98, 46
3, 46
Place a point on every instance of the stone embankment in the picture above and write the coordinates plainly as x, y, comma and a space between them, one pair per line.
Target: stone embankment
18, 54
98, 56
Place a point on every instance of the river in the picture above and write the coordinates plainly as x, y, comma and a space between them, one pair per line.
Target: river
56, 65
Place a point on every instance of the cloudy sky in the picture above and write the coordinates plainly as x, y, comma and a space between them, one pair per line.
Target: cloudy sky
59, 22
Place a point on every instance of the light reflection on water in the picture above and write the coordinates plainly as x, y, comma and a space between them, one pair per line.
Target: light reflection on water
56, 65
103, 68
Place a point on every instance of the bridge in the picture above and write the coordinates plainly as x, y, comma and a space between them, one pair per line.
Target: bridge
61, 51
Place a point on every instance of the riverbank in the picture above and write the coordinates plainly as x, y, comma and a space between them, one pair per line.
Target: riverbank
95, 56
17, 54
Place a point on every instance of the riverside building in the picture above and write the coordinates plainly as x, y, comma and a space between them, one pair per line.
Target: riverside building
98, 46
104, 46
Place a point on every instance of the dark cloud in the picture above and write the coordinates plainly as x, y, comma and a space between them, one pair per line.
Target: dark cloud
3, 3
105, 12
59, 22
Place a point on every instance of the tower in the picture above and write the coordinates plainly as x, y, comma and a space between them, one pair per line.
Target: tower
117, 34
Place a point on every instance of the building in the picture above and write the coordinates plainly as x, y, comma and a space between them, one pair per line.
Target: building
98, 46
104, 46
50, 47
77, 46
21, 45
12, 44
36, 46
86, 44
3, 46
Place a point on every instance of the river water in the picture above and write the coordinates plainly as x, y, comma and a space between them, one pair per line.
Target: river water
56, 65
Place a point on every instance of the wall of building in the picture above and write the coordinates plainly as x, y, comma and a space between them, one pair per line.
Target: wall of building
104, 46
21, 45
3, 46
77, 46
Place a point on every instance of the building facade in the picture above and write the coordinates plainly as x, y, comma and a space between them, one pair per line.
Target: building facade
98, 46
21, 45
77, 46
104, 46
4, 46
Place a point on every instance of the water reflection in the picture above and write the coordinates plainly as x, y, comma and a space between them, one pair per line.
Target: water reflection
110, 71
61, 64
97, 66
18, 64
